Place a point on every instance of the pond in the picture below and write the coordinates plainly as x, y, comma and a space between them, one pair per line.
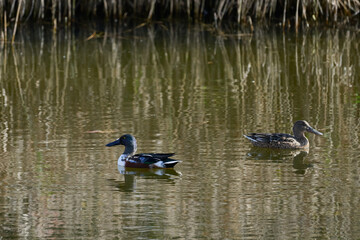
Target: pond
188, 89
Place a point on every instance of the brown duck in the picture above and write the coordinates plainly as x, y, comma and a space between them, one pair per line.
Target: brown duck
283, 140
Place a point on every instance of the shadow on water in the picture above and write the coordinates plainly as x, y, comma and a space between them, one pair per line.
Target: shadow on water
131, 174
298, 157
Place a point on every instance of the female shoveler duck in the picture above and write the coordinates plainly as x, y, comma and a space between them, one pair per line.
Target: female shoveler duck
141, 160
283, 140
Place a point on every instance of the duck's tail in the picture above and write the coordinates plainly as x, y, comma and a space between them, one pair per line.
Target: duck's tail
171, 163
250, 138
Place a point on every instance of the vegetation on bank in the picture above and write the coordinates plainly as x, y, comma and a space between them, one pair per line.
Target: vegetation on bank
284, 12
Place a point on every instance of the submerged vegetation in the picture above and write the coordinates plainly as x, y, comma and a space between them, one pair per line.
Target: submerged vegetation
287, 13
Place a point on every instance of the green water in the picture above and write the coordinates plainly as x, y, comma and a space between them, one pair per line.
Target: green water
183, 89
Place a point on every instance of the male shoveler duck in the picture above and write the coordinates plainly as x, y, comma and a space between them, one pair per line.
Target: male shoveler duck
141, 160
283, 140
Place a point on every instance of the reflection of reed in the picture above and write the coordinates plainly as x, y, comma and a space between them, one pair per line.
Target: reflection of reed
182, 88
187, 80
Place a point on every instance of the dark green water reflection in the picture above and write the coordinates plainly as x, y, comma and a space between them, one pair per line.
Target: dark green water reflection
185, 90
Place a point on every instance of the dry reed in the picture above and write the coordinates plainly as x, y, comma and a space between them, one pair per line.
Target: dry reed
284, 12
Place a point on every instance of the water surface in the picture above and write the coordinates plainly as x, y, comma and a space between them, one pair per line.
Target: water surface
189, 90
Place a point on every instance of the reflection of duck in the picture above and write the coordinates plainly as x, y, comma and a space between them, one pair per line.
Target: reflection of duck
141, 160
299, 164
297, 156
275, 154
283, 140
130, 175
128, 185
146, 172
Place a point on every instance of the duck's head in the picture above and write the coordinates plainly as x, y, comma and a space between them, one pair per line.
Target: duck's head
128, 141
302, 126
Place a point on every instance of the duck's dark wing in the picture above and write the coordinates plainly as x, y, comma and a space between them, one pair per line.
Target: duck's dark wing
270, 137
161, 156
259, 137
152, 158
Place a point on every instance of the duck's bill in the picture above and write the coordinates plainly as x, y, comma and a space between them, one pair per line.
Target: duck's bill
114, 143
310, 129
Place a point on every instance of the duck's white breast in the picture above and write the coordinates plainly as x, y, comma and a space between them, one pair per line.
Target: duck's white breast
122, 160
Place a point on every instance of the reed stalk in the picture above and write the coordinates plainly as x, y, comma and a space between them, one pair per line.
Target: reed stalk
280, 12
5, 27
16, 22
297, 15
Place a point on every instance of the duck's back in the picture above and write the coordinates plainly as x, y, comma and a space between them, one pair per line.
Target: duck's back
273, 140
